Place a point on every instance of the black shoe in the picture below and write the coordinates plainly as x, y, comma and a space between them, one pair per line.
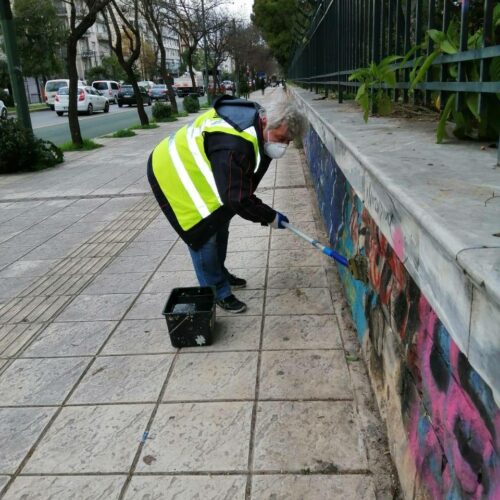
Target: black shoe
236, 282
232, 304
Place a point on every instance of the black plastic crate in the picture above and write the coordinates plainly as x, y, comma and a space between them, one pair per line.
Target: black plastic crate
190, 315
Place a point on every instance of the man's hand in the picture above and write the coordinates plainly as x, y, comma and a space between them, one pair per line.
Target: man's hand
278, 220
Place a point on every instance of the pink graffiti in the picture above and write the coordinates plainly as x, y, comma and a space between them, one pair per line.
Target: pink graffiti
398, 242
444, 409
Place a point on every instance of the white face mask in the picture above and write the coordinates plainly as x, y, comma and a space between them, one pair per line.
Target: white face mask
274, 149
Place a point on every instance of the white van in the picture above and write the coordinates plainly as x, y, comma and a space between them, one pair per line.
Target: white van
108, 88
51, 88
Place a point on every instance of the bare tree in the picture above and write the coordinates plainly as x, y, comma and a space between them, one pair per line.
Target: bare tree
185, 18
218, 42
124, 17
155, 13
83, 15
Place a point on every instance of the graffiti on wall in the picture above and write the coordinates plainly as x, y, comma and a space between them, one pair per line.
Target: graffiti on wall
449, 414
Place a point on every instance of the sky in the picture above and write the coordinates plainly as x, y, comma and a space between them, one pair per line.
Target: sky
241, 8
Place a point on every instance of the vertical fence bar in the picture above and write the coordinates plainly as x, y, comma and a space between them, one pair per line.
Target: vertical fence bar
430, 25
339, 48
397, 41
390, 28
487, 40
383, 14
406, 72
418, 38
464, 32
442, 76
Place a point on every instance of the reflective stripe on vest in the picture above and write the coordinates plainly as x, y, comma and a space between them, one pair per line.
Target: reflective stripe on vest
183, 170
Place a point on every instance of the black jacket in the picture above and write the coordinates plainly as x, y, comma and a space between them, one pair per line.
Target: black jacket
233, 163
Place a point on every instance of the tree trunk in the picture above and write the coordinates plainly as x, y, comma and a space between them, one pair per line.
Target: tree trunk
140, 103
190, 68
74, 125
167, 78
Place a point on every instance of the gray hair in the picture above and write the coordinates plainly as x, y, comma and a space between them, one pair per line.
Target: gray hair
289, 113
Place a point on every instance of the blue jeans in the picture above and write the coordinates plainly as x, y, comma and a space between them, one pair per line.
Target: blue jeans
209, 260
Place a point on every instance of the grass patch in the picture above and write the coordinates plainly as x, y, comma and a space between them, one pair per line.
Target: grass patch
144, 127
88, 145
181, 114
32, 108
124, 132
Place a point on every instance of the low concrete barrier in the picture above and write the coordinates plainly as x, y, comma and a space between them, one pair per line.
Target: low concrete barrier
428, 218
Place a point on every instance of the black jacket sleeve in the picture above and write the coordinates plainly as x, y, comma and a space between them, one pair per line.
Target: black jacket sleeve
233, 166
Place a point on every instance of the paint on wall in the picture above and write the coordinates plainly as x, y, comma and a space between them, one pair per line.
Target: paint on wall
450, 418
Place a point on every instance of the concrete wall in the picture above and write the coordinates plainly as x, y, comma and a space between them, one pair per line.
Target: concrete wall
443, 421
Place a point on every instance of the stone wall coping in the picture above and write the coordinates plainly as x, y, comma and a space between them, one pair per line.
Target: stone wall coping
439, 207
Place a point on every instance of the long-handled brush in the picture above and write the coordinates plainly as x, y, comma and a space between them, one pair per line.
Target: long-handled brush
357, 265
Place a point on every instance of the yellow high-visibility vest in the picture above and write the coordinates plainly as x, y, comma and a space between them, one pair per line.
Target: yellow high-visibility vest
183, 170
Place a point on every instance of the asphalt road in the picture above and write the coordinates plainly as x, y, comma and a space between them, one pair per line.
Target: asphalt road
47, 125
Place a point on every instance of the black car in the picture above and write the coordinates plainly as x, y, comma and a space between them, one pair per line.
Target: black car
127, 96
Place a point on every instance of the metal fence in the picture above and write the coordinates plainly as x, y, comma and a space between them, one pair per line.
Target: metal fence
344, 35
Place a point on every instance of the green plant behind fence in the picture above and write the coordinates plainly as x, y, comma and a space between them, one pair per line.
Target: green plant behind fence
191, 104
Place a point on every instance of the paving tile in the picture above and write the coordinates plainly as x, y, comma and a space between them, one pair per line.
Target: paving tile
11, 287
256, 278
97, 307
254, 299
164, 282
299, 277
213, 375
313, 436
298, 258
289, 241
148, 306
301, 332
23, 268
249, 260
198, 437
3, 481
140, 248
123, 379
117, 283
312, 487
258, 243
91, 439
19, 430
180, 262
66, 487
138, 264
141, 336
40, 381
233, 333
304, 375
70, 339
210, 487
298, 301
154, 235
254, 231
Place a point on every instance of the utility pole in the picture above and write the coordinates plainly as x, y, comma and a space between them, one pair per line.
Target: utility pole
205, 50
236, 67
13, 63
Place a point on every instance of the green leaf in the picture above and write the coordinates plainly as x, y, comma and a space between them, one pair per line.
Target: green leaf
437, 36
447, 47
384, 104
472, 101
364, 102
495, 69
496, 16
441, 128
389, 60
452, 33
389, 77
408, 55
453, 70
361, 91
423, 69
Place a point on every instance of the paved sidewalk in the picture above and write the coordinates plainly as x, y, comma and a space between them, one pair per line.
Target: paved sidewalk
94, 401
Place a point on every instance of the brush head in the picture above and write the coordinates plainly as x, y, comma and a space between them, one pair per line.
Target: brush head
358, 265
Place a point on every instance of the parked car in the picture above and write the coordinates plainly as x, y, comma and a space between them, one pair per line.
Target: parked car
228, 84
3, 111
159, 91
89, 100
127, 96
109, 88
51, 88
147, 84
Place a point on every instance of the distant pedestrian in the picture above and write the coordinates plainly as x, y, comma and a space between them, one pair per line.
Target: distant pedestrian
262, 83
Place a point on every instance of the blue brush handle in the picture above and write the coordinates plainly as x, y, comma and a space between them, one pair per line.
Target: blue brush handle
315, 243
